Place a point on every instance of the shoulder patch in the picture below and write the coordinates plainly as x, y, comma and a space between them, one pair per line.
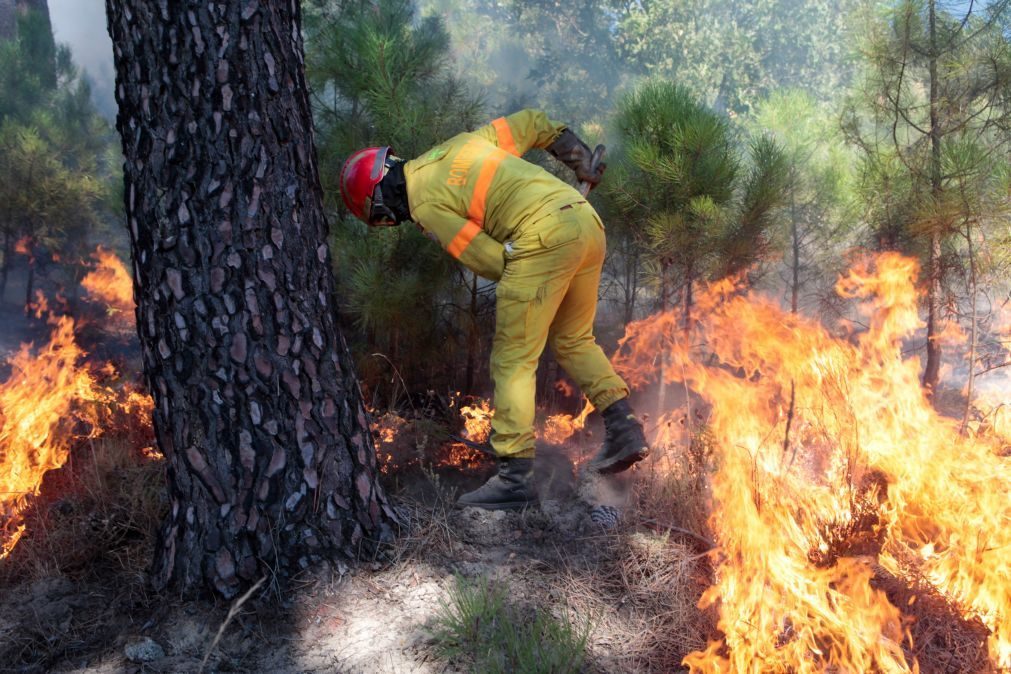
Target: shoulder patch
437, 153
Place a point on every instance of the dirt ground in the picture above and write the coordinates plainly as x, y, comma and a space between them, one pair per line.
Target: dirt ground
375, 616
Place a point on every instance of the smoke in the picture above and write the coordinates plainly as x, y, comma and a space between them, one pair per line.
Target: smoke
81, 25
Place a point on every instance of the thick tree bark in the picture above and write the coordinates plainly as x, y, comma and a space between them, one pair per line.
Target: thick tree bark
269, 459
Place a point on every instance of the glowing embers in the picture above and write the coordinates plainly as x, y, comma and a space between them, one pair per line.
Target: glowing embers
832, 468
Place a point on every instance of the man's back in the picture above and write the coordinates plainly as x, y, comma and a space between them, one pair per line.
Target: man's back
479, 177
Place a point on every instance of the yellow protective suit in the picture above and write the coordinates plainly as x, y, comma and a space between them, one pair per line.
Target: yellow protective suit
513, 222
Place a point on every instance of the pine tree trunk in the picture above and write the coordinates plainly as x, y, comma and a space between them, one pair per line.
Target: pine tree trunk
661, 394
5, 267
270, 462
932, 370
8, 20
29, 284
970, 386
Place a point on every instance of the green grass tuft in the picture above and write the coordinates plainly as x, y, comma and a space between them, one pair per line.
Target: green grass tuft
478, 624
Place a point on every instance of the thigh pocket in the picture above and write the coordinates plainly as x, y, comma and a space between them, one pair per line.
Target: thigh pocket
514, 313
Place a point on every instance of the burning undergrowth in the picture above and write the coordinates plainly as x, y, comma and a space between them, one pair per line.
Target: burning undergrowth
59, 409
853, 527
834, 478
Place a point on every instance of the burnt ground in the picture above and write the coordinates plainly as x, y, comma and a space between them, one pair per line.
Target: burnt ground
635, 589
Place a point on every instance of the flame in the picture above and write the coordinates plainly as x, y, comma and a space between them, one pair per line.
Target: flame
830, 465
111, 284
477, 420
39, 404
458, 455
23, 246
560, 427
53, 399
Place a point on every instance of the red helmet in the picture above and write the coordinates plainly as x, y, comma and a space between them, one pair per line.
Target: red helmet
361, 173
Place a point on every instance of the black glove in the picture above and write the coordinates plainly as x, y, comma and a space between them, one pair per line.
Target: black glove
576, 154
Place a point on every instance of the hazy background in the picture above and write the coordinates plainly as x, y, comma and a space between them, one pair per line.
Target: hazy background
81, 24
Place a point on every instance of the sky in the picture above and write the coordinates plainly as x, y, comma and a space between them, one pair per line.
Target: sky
81, 24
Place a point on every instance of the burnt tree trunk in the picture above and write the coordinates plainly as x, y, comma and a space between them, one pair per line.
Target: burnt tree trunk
270, 463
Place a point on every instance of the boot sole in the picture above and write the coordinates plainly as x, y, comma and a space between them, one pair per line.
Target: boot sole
511, 505
619, 464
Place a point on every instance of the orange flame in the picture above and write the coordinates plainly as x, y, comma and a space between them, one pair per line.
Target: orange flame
111, 284
560, 427
52, 395
477, 421
23, 246
38, 405
817, 437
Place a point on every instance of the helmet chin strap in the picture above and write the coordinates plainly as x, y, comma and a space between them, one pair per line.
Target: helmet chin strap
389, 200
381, 215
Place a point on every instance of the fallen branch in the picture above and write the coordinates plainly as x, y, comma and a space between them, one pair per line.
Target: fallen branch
232, 612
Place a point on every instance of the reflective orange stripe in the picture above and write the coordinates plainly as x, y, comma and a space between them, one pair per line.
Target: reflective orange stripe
505, 136
475, 210
479, 199
463, 238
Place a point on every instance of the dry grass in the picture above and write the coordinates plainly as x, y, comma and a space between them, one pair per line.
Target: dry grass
642, 601
96, 514
78, 576
674, 494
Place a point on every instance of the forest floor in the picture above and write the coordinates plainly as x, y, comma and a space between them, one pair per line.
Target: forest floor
628, 583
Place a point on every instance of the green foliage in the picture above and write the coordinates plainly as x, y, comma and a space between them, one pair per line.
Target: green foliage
37, 47
57, 157
381, 77
480, 625
700, 209
732, 54
821, 205
892, 119
42, 197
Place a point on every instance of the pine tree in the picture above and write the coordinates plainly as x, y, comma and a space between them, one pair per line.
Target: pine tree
271, 464
381, 77
701, 210
937, 79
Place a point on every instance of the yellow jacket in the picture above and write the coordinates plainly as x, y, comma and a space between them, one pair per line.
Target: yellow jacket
474, 192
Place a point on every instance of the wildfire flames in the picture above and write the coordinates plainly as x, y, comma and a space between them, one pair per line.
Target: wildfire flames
52, 400
832, 466
477, 421
110, 284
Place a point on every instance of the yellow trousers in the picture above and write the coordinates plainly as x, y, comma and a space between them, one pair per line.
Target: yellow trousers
548, 294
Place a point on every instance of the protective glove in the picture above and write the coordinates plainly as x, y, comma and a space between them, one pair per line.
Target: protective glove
576, 154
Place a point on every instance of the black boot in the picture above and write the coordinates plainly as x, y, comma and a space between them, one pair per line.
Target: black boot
624, 441
511, 489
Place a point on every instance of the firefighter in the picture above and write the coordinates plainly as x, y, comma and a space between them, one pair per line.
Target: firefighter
511, 221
